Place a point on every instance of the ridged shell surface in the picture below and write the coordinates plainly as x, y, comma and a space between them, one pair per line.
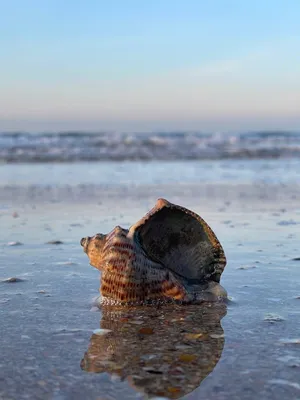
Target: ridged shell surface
129, 276
169, 255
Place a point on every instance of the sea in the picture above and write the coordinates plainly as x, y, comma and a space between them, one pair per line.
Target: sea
20, 147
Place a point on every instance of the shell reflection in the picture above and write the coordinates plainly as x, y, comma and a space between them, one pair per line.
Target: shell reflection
162, 352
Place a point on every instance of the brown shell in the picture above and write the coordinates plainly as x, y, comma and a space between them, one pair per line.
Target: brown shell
129, 276
181, 241
162, 257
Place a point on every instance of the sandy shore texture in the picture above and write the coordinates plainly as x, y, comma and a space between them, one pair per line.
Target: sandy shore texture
56, 345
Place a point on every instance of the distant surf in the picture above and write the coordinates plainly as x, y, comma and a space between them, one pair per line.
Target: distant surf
22, 147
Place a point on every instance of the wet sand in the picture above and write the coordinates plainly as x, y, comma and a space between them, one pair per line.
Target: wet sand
51, 345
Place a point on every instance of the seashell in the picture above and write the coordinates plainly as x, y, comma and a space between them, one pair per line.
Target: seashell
169, 255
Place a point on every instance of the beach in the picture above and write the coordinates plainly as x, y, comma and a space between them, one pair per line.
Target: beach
150, 200
50, 337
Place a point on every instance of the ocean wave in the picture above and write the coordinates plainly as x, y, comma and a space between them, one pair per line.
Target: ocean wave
19, 147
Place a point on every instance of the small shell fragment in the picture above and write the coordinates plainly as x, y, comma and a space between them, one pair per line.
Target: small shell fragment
187, 357
14, 244
146, 331
193, 336
101, 332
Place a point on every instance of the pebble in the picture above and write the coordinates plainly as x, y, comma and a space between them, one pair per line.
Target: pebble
134, 322
147, 357
247, 267
215, 336
174, 389
12, 280
146, 331
152, 371
273, 318
14, 244
182, 347
193, 336
55, 242
187, 357
66, 263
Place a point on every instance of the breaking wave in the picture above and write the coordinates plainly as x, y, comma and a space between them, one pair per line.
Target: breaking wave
83, 146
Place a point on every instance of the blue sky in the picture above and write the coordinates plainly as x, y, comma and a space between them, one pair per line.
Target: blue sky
128, 64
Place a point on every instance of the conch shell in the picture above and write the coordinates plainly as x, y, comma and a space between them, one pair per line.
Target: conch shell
169, 255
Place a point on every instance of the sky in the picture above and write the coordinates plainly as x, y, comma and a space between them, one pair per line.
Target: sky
148, 65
